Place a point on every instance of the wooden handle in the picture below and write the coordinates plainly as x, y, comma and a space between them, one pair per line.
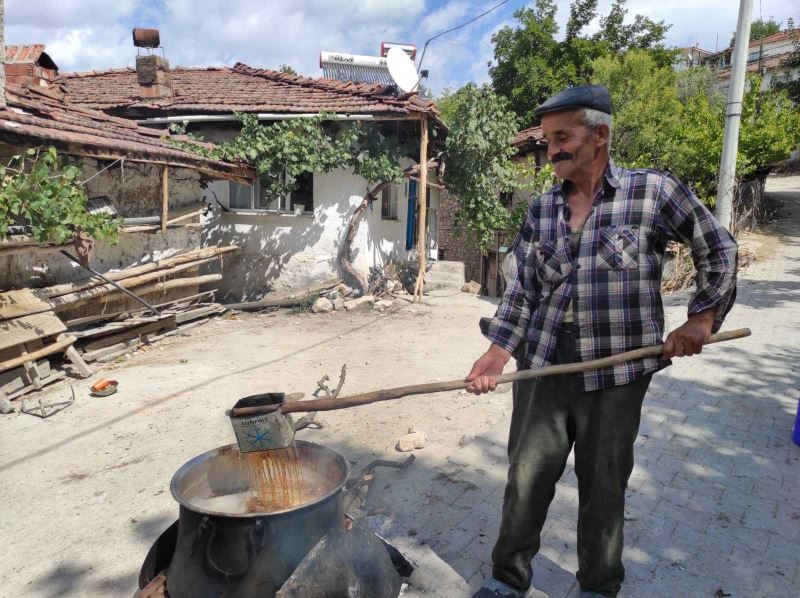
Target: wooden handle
418, 389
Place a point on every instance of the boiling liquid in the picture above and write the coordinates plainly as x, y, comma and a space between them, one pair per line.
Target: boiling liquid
276, 480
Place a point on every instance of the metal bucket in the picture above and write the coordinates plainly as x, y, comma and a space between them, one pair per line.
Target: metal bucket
238, 554
263, 431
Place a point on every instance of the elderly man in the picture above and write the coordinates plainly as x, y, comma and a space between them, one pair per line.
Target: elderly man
586, 285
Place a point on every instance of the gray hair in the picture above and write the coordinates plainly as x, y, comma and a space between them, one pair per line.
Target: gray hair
594, 118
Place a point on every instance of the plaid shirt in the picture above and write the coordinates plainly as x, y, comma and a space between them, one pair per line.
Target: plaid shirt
614, 280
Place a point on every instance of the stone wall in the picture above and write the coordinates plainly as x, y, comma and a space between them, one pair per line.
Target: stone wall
456, 242
134, 190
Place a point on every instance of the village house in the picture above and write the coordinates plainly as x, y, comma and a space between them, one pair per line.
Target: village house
766, 56
287, 243
122, 162
50, 304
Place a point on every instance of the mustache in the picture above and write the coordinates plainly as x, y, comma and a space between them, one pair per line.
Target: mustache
561, 156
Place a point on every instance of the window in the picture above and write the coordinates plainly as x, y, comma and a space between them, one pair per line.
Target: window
256, 197
304, 194
241, 196
389, 202
754, 56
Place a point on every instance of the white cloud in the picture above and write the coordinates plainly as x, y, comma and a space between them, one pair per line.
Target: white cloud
85, 34
450, 15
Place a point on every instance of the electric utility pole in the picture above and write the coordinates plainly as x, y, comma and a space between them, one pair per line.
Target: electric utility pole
733, 113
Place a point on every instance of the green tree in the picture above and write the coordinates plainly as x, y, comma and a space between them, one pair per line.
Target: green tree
675, 121
478, 149
759, 29
530, 64
285, 68
646, 106
770, 129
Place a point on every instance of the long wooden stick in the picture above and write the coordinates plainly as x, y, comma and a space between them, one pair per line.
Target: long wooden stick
158, 287
417, 389
176, 260
132, 282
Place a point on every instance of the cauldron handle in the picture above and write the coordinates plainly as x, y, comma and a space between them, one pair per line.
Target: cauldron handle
252, 550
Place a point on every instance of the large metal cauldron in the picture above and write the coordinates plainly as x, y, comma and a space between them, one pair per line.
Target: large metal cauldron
223, 550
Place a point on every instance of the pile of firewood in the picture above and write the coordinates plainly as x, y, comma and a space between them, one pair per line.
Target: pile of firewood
90, 320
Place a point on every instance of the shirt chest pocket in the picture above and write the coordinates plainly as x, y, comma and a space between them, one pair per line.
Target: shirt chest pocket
618, 248
552, 261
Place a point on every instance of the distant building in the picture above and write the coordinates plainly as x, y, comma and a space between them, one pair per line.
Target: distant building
766, 56
691, 57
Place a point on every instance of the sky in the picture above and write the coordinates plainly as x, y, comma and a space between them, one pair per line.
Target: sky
96, 34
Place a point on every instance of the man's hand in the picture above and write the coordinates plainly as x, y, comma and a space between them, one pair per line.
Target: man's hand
488, 365
689, 338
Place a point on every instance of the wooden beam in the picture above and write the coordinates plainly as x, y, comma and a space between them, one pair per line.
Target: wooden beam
56, 347
422, 196
175, 260
164, 198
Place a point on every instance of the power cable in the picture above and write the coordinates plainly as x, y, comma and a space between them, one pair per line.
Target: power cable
483, 14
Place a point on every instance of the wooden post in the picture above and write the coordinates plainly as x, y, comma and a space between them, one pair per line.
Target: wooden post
423, 206
164, 198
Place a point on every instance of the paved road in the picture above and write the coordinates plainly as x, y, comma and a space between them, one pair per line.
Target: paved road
713, 500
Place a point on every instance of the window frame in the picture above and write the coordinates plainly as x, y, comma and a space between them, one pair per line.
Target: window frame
284, 204
394, 194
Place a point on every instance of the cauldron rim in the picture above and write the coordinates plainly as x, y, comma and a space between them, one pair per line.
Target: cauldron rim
194, 461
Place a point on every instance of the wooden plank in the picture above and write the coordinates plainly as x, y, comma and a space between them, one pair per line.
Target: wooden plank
100, 353
176, 302
23, 302
28, 328
106, 341
200, 312
78, 363
60, 345
114, 327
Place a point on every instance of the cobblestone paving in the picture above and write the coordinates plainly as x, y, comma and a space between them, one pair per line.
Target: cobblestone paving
713, 500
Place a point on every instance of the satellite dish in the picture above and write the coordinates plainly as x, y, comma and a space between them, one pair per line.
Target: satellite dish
402, 69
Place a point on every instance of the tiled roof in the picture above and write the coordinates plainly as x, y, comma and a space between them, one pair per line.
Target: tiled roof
769, 62
527, 139
241, 88
776, 37
39, 117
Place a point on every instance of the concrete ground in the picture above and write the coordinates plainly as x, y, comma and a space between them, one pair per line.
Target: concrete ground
712, 506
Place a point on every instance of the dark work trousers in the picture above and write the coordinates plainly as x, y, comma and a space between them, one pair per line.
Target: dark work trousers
550, 416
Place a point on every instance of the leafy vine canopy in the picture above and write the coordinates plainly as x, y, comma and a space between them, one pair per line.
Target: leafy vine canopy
37, 190
283, 150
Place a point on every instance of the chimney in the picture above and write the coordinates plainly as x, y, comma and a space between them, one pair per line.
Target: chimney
152, 71
2, 55
29, 66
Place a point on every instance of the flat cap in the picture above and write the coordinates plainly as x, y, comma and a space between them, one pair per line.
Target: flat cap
595, 97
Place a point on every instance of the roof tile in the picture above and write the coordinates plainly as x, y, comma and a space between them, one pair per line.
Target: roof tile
243, 89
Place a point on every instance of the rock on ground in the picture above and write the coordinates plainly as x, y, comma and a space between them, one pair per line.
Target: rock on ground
322, 306
413, 440
471, 287
366, 302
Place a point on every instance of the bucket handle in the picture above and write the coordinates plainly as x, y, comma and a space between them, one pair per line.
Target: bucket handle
253, 546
